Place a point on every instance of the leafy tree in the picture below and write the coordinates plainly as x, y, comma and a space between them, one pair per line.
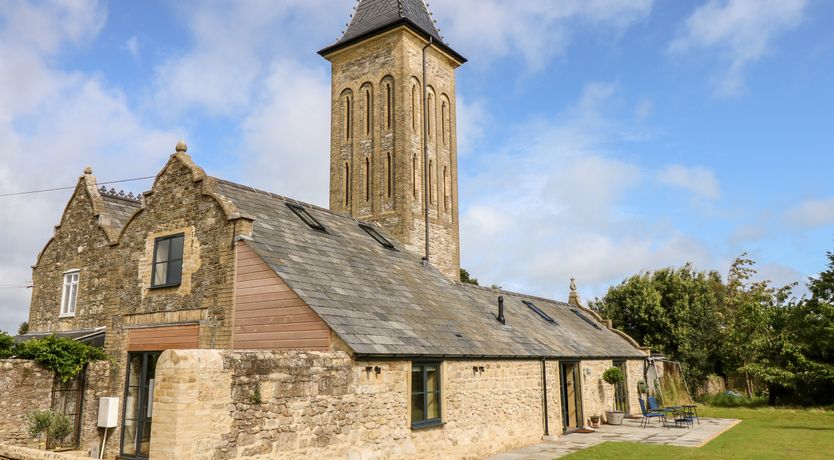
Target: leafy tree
24, 328
465, 277
7, 345
673, 311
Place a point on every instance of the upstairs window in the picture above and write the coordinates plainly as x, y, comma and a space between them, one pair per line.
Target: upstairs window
586, 319
536, 309
377, 236
167, 261
425, 394
70, 293
305, 216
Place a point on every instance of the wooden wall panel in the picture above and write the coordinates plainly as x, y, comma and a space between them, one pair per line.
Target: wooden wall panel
268, 314
183, 337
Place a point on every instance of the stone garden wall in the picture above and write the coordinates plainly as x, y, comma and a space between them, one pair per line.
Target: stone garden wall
24, 386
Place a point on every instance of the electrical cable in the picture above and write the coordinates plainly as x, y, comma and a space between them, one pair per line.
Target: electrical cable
72, 187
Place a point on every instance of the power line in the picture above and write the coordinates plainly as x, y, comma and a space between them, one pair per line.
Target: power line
72, 187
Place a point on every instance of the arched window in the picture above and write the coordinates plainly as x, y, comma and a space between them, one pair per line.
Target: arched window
445, 190
389, 174
367, 179
443, 121
431, 190
414, 175
388, 106
368, 112
346, 186
347, 121
414, 106
430, 108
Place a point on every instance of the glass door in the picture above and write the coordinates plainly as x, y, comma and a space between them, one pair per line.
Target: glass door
571, 396
621, 389
138, 404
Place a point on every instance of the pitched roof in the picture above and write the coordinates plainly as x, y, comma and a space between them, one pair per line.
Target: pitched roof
120, 210
375, 16
385, 302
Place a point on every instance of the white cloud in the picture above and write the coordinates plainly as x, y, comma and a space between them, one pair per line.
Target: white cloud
52, 124
535, 29
698, 180
813, 213
287, 137
742, 30
133, 46
562, 207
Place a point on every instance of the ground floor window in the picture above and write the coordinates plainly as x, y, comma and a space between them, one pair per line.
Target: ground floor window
138, 404
425, 394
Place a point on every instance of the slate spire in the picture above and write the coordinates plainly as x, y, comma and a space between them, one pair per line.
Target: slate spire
371, 17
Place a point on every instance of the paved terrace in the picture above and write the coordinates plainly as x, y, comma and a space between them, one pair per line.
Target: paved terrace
629, 431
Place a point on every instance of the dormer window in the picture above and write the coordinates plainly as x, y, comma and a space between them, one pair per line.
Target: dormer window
69, 297
167, 261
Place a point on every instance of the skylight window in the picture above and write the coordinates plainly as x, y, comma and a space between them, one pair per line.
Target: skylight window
376, 235
306, 217
536, 309
587, 320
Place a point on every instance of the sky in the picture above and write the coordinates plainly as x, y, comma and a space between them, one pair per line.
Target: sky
597, 138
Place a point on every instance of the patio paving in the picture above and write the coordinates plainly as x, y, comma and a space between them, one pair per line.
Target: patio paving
629, 431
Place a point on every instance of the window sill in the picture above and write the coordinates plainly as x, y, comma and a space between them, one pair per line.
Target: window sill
165, 286
66, 316
427, 424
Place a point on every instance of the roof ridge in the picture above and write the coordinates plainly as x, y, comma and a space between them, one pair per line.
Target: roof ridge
513, 293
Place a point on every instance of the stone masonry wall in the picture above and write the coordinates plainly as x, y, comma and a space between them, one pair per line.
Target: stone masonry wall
225, 404
597, 396
25, 386
634, 373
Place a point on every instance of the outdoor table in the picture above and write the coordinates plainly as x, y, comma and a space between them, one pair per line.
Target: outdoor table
692, 411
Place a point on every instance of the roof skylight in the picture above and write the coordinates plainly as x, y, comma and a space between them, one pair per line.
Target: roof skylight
587, 320
304, 215
536, 309
376, 235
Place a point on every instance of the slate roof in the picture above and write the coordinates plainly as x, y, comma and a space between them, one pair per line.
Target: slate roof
119, 209
384, 302
374, 16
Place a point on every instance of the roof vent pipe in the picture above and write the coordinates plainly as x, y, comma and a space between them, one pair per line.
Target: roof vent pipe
501, 310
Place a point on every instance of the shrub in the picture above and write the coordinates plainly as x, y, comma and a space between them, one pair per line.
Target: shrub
732, 399
7, 346
64, 356
613, 376
60, 428
39, 422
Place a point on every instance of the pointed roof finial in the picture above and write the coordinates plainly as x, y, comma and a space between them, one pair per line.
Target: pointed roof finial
181, 147
573, 298
88, 170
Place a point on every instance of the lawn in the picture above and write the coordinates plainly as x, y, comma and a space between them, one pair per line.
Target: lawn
763, 433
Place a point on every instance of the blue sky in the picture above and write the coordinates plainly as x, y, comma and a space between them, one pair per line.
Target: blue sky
597, 138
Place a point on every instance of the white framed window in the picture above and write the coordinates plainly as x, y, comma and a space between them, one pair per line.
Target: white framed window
70, 293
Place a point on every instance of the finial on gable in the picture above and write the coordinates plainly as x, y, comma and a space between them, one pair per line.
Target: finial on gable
181, 147
573, 298
88, 171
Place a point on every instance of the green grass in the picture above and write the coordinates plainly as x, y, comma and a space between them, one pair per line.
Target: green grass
763, 433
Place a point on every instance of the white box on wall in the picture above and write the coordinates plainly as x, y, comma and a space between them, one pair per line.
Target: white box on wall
108, 412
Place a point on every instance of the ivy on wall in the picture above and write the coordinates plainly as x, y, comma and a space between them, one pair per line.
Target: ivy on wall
62, 355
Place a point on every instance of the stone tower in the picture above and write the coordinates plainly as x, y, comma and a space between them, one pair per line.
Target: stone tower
393, 144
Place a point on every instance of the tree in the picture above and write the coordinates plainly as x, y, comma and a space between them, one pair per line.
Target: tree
673, 311
24, 328
466, 278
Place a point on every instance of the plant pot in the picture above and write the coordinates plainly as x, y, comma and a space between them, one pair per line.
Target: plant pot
614, 417
595, 421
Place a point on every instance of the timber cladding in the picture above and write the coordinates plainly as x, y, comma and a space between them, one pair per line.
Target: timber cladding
180, 337
268, 313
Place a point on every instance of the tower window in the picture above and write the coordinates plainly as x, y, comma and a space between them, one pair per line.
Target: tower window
388, 97
305, 216
443, 121
389, 174
414, 175
348, 117
445, 190
429, 107
346, 185
431, 189
367, 180
414, 107
377, 236
368, 110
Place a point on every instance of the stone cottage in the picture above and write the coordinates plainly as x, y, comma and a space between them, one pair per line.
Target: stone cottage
242, 323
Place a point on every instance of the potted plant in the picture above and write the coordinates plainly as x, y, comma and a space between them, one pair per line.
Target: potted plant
595, 421
613, 376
